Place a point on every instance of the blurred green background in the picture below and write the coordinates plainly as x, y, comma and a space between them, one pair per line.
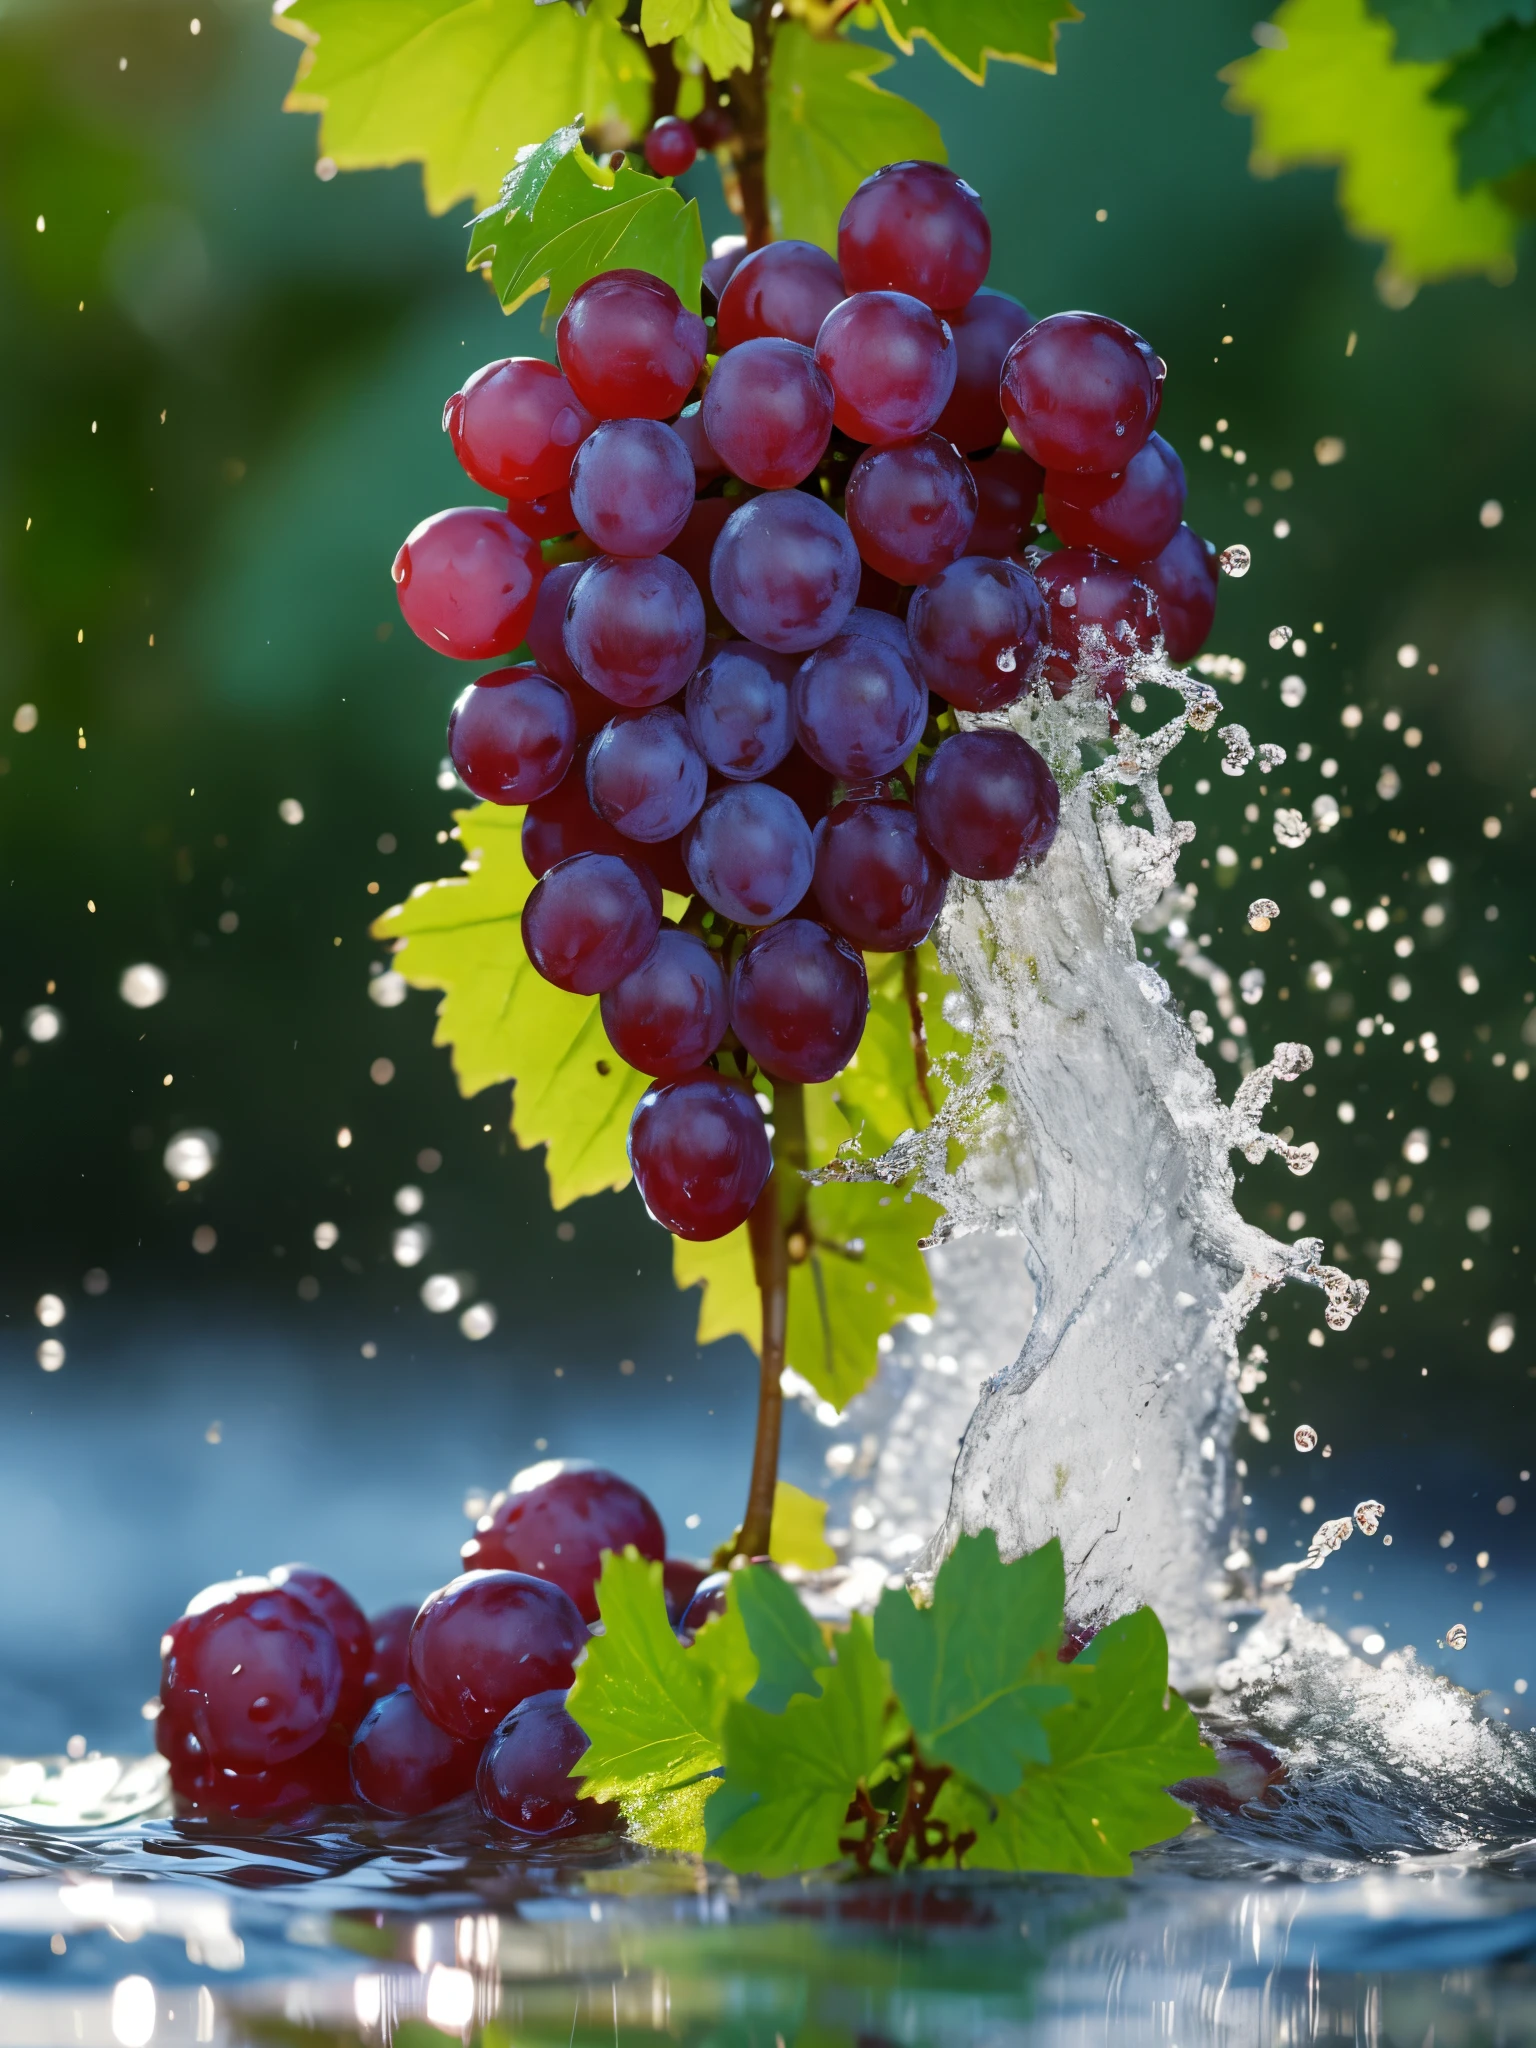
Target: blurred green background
223, 378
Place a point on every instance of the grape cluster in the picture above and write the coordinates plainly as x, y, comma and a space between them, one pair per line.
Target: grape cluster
278, 1693
794, 552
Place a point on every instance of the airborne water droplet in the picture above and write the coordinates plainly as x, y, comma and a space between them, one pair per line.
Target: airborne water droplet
1456, 1636
1305, 1437
1368, 1517
1278, 635
1235, 560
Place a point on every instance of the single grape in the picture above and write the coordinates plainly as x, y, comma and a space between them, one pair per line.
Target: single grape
883, 626
511, 736
705, 457
316, 1777
632, 487
785, 571
911, 505
256, 1673
488, 1640
984, 331
680, 1579
749, 853
564, 823
645, 775
515, 427
467, 581
635, 630
917, 228
1183, 579
390, 1633
987, 803
629, 346
711, 1597
859, 706
526, 1779
768, 412
557, 1519
799, 998
738, 709
975, 632
671, 147
1080, 393
891, 363
402, 1763
543, 518
878, 881
784, 288
669, 1016
695, 546
712, 129
1131, 516
1008, 487
1098, 616
805, 782
346, 1622
590, 921
546, 632
699, 1154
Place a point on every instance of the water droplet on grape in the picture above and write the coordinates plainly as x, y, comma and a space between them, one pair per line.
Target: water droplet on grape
1235, 560
1305, 1437
1368, 1517
1456, 1636
1007, 661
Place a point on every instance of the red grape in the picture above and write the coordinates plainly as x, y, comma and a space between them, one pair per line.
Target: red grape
556, 1521
984, 332
713, 128
911, 505
799, 998
671, 147
590, 921
975, 632
700, 1155
680, 1581
390, 1632
511, 736
710, 1597
915, 227
738, 709
891, 363
346, 1622
1079, 392
256, 1672
564, 823
515, 426
645, 775
1008, 486
768, 412
402, 1763
525, 1778
467, 580
316, 1777
878, 881
632, 486
859, 706
705, 457
986, 802
669, 1016
629, 346
488, 1640
543, 518
635, 630
784, 288
749, 853
1098, 615
785, 571
1183, 579
1132, 515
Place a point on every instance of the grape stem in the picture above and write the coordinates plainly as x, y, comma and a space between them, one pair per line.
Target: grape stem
749, 107
778, 1213
919, 1035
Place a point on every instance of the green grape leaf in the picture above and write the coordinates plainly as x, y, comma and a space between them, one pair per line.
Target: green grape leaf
967, 32
785, 1641
1121, 1739
722, 39
976, 1671
789, 1777
504, 1022
1496, 86
729, 1305
797, 1533
1429, 31
460, 86
878, 1092
829, 126
1334, 95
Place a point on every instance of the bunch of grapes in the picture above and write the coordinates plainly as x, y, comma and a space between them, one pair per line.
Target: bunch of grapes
804, 542
279, 1694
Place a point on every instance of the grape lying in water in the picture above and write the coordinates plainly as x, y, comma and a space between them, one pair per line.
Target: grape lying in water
403, 1763
558, 1522
255, 1673
524, 1780
485, 1642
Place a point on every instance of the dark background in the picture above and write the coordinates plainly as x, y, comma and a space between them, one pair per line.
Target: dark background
222, 381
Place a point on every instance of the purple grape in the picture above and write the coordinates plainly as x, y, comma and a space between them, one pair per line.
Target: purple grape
915, 227
1131, 516
768, 412
696, 543
911, 506
487, 1640
1081, 392
1183, 579
511, 736
987, 803
891, 363
670, 1015
557, 1519
984, 331
785, 288
749, 853
681, 1579
975, 632
525, 1777
799, 998
590, 921
700, 1155
878, 881
884, 626
254, 1672
709, 1598
645, 775
632, 486
859, 706
635, 630
1098, 617
1008, 486
346, 1622
564, 823
671, 147
546, 629
738, 710
785, 571
402, 1763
